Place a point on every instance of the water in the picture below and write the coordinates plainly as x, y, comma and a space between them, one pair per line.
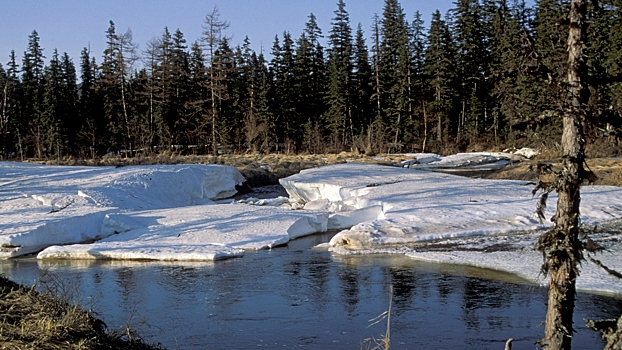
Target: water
312, 299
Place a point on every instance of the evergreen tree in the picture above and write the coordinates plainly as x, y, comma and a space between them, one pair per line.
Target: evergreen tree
90, 108
54, 136
362, 110
550, 45
395, 69
340, 73
418, 112
119, 57
284, 94
472, 62
440, 73
194, 122
10, 110
32, 98
180, 83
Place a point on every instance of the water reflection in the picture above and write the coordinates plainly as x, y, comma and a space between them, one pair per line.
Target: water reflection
316, 300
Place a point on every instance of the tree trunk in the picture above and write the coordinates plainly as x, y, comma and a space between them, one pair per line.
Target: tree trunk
565, 249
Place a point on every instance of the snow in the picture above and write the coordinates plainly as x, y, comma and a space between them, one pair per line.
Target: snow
180, 213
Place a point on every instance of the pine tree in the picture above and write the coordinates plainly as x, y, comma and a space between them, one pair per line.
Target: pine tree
440, 73
362, 110
32, 87
284, 94
550, 45
119, 57
340, 86
54, 136
472, 48
90, 108
395, 68
197, 105
417, 105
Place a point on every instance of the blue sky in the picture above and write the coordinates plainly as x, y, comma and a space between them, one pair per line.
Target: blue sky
70, 25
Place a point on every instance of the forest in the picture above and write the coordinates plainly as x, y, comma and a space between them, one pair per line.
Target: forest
486, 74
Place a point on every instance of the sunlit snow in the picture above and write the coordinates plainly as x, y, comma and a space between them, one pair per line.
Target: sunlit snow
179, 212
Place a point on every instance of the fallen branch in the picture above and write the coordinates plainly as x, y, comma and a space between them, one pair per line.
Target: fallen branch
54, 210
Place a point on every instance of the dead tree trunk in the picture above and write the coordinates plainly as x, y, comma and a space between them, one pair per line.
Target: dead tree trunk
562, 245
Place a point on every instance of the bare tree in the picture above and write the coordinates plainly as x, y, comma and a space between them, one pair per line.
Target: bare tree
561, 245
213, 29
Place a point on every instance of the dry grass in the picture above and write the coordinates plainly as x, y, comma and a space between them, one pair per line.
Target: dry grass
266, 169
33, 320
607, 170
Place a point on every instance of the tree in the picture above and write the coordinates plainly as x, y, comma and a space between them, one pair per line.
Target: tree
212, 38
440, 73
119, 57
362, 86
340, 83
472, 62
395, 68
32, 88
562, 246
90, 107
11, 108
283, 93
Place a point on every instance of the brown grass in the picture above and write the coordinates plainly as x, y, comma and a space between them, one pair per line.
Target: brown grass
608, 170
266, 169
33, 320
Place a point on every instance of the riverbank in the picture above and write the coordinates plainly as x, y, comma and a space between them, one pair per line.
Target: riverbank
267, 169
46, 320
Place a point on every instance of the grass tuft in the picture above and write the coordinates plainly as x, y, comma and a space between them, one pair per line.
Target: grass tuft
30, 319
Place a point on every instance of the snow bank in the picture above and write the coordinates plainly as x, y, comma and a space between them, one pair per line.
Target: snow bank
476, 222
196, 233
423, 206
465, 162
45, 205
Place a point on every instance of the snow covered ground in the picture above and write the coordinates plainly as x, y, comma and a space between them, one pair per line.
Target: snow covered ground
178, 212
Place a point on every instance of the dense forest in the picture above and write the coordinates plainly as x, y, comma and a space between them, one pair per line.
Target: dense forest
488, 73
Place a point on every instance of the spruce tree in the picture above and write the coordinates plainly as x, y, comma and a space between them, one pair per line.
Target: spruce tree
395, 58
472, 62
32, 100
440, 74
90, 108
362, 110
340, 73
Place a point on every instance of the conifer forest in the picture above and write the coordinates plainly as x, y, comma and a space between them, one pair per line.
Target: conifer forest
488, 73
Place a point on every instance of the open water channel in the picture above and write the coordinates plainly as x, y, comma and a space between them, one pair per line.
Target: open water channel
299, 297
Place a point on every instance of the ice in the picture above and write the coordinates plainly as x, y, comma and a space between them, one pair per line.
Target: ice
179, 213
416, 207
202, 232
46, 205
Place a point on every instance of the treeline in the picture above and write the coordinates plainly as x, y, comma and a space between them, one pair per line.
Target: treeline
488, 72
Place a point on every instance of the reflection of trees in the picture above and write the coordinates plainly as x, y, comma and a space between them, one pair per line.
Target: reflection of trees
349, 288
405, 286
478, 295
127, 281
444, 286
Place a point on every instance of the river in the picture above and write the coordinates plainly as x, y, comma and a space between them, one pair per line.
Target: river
299, 297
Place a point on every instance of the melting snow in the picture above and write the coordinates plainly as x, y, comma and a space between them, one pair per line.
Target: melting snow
171, 213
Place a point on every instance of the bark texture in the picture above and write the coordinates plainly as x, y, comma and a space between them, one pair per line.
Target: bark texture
562, 245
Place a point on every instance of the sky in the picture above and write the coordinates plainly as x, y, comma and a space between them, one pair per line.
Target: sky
71, 25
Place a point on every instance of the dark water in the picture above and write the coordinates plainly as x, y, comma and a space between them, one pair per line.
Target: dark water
301, 298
